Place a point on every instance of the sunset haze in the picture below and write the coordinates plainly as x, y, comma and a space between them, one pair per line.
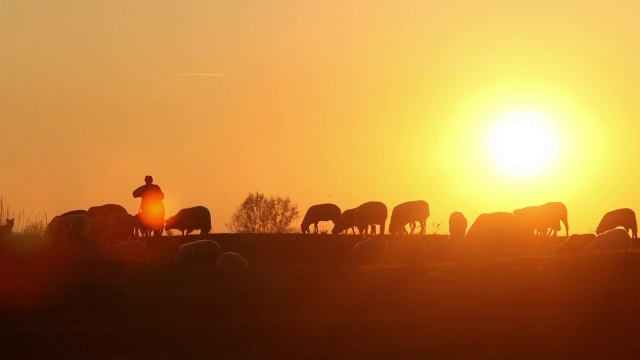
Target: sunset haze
324, 101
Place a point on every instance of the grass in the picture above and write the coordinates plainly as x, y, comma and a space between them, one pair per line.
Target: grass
25, 223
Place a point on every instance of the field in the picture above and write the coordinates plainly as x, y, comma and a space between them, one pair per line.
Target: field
300, 299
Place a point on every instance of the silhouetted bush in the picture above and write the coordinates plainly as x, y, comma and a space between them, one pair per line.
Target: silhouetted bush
259, 214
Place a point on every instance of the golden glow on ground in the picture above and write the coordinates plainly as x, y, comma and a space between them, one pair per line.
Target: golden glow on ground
522, 144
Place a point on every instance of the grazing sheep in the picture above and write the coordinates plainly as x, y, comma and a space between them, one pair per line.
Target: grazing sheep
610, 240
70, 234
231, 260
113, 228
200, 252
625, 218
122, 227
544, 219
369, 252
130, 250
320, 212
189, 219
409, 213
575, 243
6, 229
371, 213
457, 225
347, 221
105, 210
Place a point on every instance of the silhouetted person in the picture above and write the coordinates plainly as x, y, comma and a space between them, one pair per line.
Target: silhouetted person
151, 211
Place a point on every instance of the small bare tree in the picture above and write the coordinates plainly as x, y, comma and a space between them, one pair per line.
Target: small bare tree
259, 214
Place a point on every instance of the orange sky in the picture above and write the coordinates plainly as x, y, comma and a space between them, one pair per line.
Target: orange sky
326, 101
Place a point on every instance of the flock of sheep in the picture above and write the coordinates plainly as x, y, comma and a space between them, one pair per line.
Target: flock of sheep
489, 232
111, 231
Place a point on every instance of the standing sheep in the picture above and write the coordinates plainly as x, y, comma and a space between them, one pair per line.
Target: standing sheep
347, 221
409, 213
320, 212
70, 234
190, 219
543, 219
371, 213
106, 210
625, 218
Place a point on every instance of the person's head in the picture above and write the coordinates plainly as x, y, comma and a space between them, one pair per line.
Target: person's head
148, 179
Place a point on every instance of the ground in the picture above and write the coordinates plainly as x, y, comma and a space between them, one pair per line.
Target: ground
296, 301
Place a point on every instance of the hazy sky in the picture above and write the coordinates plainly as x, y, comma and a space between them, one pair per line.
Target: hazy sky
322, 101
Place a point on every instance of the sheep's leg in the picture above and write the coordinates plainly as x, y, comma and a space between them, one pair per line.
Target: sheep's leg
315, 228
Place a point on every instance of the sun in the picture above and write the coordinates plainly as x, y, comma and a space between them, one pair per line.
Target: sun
522, 144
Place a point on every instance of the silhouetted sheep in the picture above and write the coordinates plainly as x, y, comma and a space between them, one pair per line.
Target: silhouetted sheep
409, 213
131, 250
457, 225
347, 221
491, 235
369, 252
75, 212
190, 219
575, 244
610, 240
200, 252
317, 213
625, 218
105, 210
371, 213
115, 227
70, 234
231, 260
544, 219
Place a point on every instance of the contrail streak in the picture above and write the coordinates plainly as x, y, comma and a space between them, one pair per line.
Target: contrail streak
197, 74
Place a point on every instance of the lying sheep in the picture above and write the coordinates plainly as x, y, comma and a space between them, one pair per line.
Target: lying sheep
200, 252
70, 234
575, 244
130, 250
457, 225
611, 240
369, 252
232, 260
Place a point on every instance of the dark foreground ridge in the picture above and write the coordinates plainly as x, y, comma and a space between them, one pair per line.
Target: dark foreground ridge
551, 307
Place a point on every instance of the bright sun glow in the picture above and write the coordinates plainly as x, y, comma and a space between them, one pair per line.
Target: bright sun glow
522, 144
